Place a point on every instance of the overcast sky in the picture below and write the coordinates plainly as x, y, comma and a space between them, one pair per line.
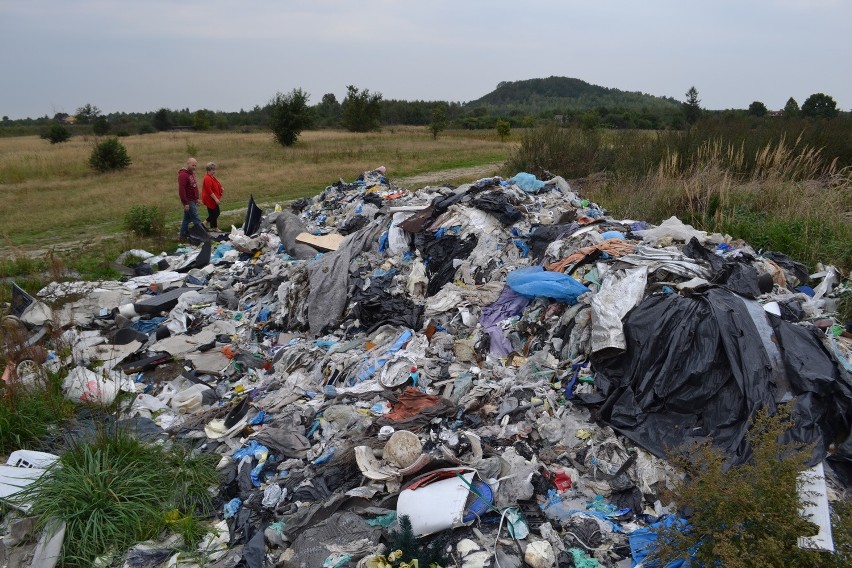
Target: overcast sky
142, 55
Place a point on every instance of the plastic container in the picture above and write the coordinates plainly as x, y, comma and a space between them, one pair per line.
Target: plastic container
189, 400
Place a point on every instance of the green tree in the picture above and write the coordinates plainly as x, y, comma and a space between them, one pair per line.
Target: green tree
162, 120
87, 114
439, 121
361, 110
691, 107
504, 128
201, 120
56, 134
100, 126
109, 155
289, 115
327, 112
819, 105
791, 109
757, 108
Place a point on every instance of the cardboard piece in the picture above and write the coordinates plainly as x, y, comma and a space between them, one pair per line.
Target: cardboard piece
321, 242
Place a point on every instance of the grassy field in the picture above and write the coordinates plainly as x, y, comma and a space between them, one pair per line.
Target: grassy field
50, 195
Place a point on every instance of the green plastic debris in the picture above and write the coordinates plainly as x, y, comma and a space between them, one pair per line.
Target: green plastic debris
581, 560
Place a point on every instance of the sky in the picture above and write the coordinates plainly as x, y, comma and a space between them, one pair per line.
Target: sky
227, 55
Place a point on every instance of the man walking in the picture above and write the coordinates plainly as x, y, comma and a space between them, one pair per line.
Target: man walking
188, 191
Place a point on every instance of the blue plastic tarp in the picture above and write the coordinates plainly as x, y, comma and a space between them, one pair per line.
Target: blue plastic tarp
642, 542
527, 182
535, 282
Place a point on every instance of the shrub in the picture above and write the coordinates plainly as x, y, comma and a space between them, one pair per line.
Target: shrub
744, 515
115, 491
145, 221
504, 128
109, 155
56, 134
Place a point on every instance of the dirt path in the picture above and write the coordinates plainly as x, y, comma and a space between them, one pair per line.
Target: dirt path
472, 173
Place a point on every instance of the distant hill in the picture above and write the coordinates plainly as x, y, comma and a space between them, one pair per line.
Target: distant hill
565, 93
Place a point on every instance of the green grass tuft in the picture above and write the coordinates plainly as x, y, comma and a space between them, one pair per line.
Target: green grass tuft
116, 491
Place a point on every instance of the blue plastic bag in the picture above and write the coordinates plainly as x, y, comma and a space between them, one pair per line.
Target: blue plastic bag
535, 282
643, 540
527, 182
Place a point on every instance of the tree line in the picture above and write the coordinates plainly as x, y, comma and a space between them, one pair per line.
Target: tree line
288, 114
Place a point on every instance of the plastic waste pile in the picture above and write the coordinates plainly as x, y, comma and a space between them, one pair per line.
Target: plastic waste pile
503, 363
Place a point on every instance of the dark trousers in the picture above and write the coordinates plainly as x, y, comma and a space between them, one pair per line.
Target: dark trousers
213, 217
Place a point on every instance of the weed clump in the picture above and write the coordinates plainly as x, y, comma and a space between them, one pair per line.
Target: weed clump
145, 221
405, 548
115, 491
109, 155
28, 413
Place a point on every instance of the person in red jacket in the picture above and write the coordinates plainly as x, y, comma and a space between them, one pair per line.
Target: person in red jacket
211, 195
188, 191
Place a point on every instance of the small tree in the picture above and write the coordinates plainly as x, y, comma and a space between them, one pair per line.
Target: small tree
361, 110
791, 109
201, 120
56, 134
745, 515
87, 114
109, 155
757, 108
691, 107
327, 112
289, 115
439, 121
162, 120
100, 126
504, 128
819, 105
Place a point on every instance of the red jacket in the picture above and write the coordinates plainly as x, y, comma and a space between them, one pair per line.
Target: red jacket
187, 186
209, 188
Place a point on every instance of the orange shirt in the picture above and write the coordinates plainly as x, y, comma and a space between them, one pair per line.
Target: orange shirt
210, 188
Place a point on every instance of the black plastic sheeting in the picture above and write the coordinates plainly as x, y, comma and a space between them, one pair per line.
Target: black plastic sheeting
735, 275
497, 204
254, 214
704, 365
375, 306
438, 255
541, 236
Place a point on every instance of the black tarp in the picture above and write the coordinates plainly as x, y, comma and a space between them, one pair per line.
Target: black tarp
704, 365
497, 204
254, 214
542, 235
736, 275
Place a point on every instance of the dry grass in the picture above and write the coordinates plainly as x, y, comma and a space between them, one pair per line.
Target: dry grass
49, 194
790, 201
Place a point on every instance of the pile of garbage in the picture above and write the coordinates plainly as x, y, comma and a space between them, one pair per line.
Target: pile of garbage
501, 363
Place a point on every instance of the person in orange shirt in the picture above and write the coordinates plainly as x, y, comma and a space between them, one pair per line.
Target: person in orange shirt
211, 195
